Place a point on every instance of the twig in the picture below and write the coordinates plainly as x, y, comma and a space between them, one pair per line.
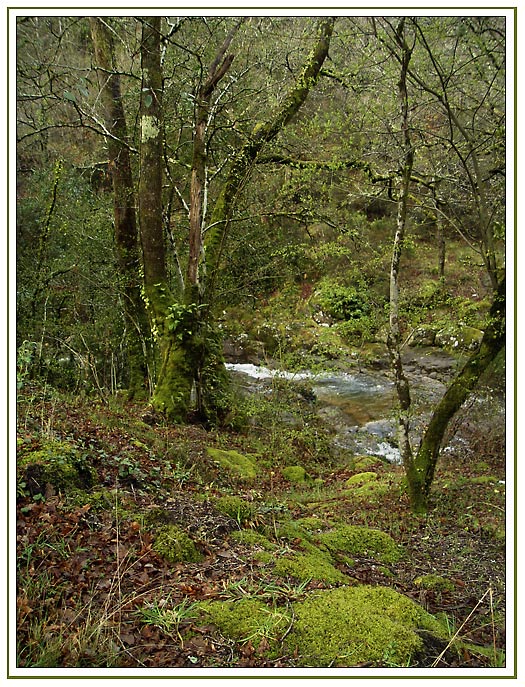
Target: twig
438, 659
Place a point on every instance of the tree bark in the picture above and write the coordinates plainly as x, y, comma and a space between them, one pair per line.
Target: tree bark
425, 461
174, 380
394, 340
126, 234
189, 341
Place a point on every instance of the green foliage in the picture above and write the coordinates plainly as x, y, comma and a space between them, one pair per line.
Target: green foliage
25, 359
67, 285
342, 302
181, 319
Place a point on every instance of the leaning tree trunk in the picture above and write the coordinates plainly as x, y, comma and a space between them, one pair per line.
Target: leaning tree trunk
189, 341
425, 461
211, 373
126, 235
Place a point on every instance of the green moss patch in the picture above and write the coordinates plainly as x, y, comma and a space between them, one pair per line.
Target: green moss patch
350, 626
340, 627
360, 479
253, 538
434, 583
371, 491
361, 541
175, 546
294, 473
312, 565
59, 465
238, 465
246, 620
312, 524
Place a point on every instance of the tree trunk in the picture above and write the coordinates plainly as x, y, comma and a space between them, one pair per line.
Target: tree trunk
394, 340
126, 235
190, 343
174, 380
425, 461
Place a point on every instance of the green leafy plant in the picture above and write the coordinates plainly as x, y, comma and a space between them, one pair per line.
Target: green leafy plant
162, 614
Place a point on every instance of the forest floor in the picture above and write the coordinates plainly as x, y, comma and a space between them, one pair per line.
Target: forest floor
94, 590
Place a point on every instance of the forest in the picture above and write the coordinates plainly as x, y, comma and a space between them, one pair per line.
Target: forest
261, 342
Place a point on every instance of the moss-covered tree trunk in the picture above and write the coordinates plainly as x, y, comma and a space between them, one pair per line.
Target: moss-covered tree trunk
189, 341
169, 323
425, 461
126, 233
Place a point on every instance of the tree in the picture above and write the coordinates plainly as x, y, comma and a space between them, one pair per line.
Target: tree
125, 224
463, 140
190, 345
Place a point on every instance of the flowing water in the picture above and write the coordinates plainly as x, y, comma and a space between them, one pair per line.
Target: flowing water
358, 406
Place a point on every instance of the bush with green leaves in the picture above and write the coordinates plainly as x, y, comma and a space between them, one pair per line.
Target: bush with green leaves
341, 302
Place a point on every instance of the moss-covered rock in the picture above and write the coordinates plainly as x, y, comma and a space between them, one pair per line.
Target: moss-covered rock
340, 627
366, 485
459, 338
238, 465
237, 508
246, 620
363, 541
361, 478
350, 626
294, 473
59, 465
175, 546
311, 565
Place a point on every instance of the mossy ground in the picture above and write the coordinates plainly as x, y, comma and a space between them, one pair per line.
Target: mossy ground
175, 545
276, 565
238, 465
353, 626
56, 466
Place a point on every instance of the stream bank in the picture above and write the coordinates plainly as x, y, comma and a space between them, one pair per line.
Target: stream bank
357, 400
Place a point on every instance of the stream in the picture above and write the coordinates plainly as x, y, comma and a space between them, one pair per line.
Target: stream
360, 405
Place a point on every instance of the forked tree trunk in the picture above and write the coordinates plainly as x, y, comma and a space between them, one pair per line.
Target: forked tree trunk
126, 234
189, 342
